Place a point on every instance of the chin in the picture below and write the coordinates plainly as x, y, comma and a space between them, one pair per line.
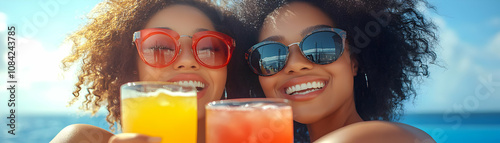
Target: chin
305, 117
201, 109
202, 102
305, 120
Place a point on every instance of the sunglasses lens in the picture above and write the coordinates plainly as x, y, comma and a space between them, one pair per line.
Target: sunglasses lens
322, 47
158, 50
212, 51
269, 59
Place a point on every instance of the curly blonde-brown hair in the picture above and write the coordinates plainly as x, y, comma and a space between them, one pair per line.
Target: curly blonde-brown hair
108, 59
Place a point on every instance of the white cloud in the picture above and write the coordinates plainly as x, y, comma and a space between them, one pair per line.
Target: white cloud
3, 22
40, 78
453, 56
495, 21
37, 64
463, 63
46, 99
44, 88
494, 45
448, 39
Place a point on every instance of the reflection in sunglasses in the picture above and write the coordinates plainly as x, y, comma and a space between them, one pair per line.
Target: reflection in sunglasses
322, 46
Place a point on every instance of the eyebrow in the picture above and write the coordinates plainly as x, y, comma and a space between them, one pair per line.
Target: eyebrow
312, 28
200, 30
274, 38
165, 28
197, 30
303, 33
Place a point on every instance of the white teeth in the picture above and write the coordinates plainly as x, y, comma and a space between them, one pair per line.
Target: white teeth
305, 88
191, 83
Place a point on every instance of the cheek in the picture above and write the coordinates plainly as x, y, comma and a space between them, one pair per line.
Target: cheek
218, 77
147, 73
268, 86
141, 69
342, 79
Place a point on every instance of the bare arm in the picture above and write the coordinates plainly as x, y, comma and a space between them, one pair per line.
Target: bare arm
377, 132
77, 133
82, 133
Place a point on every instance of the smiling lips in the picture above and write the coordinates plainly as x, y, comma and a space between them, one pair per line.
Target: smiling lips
304, 88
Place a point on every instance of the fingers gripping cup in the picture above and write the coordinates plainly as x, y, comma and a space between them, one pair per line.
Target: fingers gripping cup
160, 109
263, 120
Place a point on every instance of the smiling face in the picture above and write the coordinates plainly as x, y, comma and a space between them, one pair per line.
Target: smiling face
316, 91
186, 20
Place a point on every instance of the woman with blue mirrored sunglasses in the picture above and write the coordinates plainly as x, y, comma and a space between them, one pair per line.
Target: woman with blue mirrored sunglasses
355, 62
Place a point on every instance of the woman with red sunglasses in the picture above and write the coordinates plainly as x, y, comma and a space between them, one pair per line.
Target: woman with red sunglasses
180, 41
346, 65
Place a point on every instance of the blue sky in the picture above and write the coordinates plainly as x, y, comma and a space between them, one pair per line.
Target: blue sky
469, 50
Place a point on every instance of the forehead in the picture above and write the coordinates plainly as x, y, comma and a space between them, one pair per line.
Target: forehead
290, 20
183, 19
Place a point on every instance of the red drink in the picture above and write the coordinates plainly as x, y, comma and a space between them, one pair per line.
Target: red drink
249, 121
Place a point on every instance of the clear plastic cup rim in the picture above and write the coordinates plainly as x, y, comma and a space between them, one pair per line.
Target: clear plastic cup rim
183, 90
246, 104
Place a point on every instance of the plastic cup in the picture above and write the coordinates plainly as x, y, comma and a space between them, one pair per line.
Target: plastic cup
249, 120
160, 109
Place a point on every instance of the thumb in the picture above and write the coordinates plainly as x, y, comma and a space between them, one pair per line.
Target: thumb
133, 138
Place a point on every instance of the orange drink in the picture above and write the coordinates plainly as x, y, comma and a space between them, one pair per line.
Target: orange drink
160, 109
249, 121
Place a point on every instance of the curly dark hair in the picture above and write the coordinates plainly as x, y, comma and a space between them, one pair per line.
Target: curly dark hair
393, 56
103, 46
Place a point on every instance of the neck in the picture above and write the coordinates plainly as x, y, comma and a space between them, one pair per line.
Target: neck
201, 130
344, 116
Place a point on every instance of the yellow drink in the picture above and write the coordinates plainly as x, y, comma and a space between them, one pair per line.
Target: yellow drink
169, 115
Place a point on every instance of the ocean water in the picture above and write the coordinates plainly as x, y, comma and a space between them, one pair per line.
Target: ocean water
458, 128
42, 128
454, 128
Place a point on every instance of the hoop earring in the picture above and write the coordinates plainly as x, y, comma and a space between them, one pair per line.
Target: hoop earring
225, 93
250, 93
366, 79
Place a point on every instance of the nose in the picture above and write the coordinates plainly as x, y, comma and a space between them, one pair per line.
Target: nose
186, 59
296, 61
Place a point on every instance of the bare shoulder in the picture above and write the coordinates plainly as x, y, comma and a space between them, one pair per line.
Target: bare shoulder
377, 132
82, 133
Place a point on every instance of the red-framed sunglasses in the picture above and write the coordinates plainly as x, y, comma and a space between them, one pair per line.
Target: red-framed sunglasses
159, 47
